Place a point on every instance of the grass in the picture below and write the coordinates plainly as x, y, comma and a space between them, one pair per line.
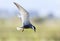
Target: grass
49, 30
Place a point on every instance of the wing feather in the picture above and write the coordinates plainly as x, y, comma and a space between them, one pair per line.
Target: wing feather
24, 14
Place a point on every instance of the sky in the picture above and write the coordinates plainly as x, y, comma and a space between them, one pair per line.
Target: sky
43, 7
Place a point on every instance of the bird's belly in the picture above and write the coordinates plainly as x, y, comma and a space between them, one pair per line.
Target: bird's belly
27, 26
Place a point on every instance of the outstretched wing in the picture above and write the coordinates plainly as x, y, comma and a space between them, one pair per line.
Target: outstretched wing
24, 14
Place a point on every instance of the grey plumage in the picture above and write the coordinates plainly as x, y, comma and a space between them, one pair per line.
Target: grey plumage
25, 18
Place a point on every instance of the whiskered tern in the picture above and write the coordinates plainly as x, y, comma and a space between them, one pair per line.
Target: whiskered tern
25, 18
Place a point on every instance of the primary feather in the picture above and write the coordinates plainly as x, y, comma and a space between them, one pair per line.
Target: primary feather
24, 14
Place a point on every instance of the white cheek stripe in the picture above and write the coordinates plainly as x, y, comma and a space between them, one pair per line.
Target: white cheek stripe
32, 27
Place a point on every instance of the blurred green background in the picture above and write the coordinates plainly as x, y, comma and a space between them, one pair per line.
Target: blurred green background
48, 30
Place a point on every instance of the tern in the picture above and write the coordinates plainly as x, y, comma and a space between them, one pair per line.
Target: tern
25, 18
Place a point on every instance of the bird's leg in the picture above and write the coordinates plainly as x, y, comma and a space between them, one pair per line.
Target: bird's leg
22, 29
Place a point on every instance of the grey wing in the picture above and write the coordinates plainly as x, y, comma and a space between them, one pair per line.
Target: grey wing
24, 14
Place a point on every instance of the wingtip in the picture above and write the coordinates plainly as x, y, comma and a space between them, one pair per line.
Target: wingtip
14, 3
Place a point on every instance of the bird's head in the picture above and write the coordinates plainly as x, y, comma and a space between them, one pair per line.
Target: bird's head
34, 28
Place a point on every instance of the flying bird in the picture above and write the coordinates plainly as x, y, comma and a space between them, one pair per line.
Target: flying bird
25, 18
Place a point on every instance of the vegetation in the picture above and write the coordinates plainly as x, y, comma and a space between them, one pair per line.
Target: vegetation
49, 30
